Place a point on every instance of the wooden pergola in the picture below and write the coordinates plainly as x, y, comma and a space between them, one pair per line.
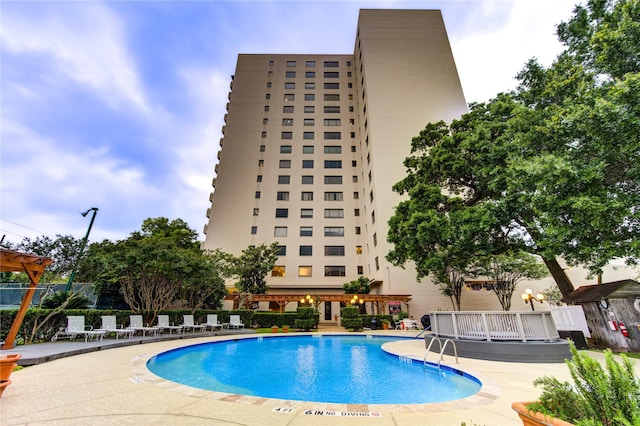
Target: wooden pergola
33, 266
380, 300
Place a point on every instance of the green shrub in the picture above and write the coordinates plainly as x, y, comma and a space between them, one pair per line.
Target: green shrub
75, 300
608, 396
351, 318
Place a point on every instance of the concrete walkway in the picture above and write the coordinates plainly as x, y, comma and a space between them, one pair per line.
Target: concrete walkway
108, 387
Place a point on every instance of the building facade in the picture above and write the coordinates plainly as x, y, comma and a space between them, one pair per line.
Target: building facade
312, 145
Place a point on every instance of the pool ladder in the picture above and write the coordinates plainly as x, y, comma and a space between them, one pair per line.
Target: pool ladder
442, 348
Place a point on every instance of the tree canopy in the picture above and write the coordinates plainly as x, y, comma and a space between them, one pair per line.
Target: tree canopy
552, 168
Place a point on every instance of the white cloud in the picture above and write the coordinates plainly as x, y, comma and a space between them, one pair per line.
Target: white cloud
85, 42
488, 61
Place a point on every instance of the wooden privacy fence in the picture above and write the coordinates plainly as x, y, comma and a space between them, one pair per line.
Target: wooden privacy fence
499, 326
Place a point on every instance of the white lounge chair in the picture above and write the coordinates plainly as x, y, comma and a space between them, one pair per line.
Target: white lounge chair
212, 322
136, 324
109, 326
234, 322
163, 323
75, 327
188, 323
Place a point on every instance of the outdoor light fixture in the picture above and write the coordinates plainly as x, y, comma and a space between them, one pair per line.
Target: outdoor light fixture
84, 243
528, 297
306, 300
357, 300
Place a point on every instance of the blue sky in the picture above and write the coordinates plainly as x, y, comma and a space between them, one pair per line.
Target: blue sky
120, 104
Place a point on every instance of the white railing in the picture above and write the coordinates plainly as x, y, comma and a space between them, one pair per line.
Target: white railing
504, 326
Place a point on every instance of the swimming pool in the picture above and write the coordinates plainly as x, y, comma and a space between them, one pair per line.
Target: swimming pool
323, 368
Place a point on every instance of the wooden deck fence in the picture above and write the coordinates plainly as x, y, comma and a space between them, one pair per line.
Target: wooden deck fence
495, 326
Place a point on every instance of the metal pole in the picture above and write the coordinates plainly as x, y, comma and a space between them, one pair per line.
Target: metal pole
84, 243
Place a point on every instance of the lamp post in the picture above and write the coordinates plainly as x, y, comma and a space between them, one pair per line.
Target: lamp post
82, 246
308, 300
528, 297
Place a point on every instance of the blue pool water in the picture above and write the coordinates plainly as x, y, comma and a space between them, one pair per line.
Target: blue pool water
332, 369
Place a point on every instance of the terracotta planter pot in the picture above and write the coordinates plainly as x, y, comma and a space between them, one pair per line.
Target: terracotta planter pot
285, 329
3, 386
274, 329
385, 326
7, 364
533, 418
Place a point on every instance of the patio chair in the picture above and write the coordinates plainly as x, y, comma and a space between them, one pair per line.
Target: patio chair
234, 322
109, 326
212, 322
136, 324
163, 324
188, 323
75, 327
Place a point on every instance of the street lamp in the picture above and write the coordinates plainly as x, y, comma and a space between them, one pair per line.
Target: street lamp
355, 300
528, 297
82, 246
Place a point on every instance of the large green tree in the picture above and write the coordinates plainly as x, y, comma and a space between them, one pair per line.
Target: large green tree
552, 168
253, 265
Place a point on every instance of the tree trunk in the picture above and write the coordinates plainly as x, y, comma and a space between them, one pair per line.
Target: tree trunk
562, 280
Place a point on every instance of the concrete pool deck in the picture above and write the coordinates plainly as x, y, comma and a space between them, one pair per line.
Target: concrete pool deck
113, 386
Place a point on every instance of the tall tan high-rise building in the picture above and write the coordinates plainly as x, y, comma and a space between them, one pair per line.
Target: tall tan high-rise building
313, 144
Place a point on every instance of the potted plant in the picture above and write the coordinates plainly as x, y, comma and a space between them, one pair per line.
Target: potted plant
597, 396
274, 328
385, 323
7, 364
285, 328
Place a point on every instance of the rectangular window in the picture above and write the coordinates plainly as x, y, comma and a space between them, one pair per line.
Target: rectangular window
309, 122
307, 164
334, 271
332, 122
333, 196
358, 249
282, 196
308, 135
309, 85
287, 109
306, 213
333, 180
356, 195
307, 196
332, 135
310, 64
307, 180
333, 213
278, 271
257, 194
354, 179
331, 74
377, 262
266, 108
306, 231
267, 96
289, 97
334, 250
285, 149
282, 212
306, 250
280, 231
256, 211
286, 135
291, 63
309, 108
259, 178
331, 97
284, 180
332, 109
307, 149
371, 195
304, 271
287, 121
290, 74
289, 85
260, 163
332, 149
358, 230
332, 85
332, 164
309, 97
285, 164
356, 212
281, 251
334, 231
375, 239
254, 230
331, 64
310, 74
360, 269
263, 148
